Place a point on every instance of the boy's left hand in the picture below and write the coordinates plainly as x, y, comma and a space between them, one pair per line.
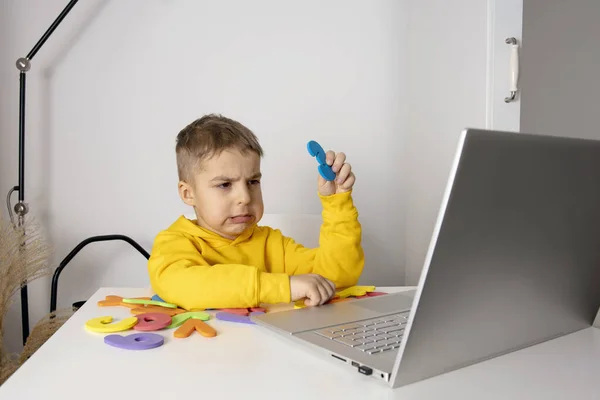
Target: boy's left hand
344, 176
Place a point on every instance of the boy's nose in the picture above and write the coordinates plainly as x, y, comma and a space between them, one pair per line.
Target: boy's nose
244, 196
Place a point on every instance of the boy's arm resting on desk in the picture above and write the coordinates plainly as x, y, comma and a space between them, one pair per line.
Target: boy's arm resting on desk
340, 256
179, 274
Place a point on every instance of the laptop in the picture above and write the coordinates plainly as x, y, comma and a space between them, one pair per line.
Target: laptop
514, 260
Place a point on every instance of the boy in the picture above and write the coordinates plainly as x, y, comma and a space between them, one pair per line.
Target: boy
223, 259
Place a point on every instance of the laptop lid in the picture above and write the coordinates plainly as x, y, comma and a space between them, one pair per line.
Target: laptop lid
515, 255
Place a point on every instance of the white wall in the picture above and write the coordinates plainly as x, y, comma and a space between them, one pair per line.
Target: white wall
111, 89
446, 93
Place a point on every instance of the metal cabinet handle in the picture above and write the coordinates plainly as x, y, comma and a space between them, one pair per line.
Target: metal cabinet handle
514, 68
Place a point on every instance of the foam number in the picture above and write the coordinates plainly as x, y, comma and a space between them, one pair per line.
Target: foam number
355, 291
157, 298
179, 319
152, 321
238, 311
242, 319
197, 325
149, 303
299, 304
105, 325
112, 301
136, 341
315, 150
372, 294
155, 309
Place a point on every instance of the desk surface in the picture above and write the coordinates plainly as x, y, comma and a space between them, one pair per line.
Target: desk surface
246, 361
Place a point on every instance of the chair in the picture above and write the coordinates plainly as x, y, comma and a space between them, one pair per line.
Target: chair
73, 253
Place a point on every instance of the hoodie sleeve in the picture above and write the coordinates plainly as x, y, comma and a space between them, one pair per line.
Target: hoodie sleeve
179, 274
340, 256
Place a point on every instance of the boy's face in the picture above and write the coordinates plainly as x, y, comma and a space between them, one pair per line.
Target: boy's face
226, 193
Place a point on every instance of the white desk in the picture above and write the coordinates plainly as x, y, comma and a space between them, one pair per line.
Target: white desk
246, 361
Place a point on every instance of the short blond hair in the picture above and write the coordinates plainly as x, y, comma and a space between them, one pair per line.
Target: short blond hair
209, 136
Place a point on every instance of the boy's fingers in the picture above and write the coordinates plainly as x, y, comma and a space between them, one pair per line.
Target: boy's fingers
340, 158
329, 157
331, 285
323, 293
349, 182
330, 292
328, 289
314, 297
345, 171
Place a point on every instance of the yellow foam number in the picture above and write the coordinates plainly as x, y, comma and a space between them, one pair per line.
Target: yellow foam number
299, 304
105, 325
355, 291
150, 303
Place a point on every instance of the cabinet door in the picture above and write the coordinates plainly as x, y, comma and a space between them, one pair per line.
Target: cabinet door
504, 35
560, 67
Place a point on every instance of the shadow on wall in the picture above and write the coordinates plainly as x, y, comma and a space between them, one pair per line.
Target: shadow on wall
76, 29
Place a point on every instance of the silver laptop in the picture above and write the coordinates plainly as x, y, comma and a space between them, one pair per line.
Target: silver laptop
514, 260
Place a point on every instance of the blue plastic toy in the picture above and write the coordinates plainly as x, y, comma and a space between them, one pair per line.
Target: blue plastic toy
315, 150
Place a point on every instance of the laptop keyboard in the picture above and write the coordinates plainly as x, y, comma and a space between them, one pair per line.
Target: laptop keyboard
372, 336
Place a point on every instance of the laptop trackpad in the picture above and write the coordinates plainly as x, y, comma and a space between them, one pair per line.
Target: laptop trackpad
389, 304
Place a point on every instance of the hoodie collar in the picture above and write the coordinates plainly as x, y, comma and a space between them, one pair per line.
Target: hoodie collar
190, 227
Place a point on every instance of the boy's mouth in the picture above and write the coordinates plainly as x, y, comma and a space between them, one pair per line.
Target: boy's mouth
242, 219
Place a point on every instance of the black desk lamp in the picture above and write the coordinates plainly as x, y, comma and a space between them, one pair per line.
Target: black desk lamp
21, 208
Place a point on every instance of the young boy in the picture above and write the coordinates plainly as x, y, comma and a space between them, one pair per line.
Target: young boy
223, 259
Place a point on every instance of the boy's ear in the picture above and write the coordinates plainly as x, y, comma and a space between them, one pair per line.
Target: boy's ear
186, 192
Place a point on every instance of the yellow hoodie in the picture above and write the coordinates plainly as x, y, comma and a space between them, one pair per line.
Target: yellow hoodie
196, 268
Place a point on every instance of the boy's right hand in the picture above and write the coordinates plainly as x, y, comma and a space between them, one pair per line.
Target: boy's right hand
316, 289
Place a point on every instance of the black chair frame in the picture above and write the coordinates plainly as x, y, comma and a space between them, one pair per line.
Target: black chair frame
73, 253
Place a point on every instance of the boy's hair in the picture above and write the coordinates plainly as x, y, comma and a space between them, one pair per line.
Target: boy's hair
209, 136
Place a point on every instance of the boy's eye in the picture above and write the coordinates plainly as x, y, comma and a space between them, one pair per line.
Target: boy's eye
224, 185
255, 182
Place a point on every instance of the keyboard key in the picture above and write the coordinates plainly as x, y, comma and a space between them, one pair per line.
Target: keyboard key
347, 342
385, 326
364, 340
386, 336
348, 327
327, 334
389, 342
379, 338
389, 330
396, 331
386, 348
365, 347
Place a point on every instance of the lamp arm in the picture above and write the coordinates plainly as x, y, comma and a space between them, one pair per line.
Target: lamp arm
21, 208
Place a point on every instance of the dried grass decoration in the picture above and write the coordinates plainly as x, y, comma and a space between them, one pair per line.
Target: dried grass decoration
24, 257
